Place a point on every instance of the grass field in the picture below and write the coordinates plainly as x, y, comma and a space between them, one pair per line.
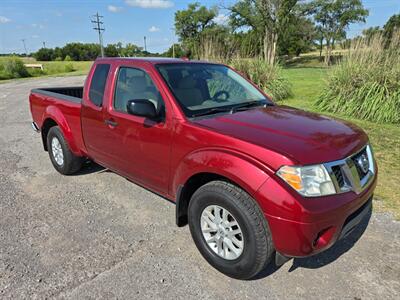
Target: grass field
51, 68
307, 83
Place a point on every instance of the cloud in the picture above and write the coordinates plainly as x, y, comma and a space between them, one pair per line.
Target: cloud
221, 19
40, 26
114, 9
4, 20
154, 29
150, 3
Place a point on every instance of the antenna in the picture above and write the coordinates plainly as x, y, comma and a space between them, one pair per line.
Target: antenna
98, 27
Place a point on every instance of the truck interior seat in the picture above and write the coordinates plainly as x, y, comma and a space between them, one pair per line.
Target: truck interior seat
136, 87
188, 92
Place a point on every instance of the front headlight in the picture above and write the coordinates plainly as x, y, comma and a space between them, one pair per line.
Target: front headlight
309, 181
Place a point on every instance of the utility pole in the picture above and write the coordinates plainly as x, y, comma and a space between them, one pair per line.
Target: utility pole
44, 44
98, 27
23, 42
173, 50
145, 46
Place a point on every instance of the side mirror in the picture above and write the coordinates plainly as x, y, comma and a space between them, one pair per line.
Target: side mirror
142, 107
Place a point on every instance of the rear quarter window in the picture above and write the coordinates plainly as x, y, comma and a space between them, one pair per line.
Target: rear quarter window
98, 84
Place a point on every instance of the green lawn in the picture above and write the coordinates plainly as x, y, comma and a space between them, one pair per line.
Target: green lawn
60, 67
307, 83
51, 68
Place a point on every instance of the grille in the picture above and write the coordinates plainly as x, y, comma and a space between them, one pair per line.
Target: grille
359, 169
348, 173
337, 172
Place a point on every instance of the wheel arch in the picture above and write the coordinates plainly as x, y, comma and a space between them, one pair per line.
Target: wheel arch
53, 116
202, 167
47, 124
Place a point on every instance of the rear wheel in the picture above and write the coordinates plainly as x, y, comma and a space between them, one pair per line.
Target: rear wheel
230, 230
63, 160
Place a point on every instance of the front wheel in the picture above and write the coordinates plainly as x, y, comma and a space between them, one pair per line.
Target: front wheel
230, 230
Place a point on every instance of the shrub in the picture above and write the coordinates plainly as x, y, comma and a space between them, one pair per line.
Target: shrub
267, 77
36, 72
69, 67
14, 68
366, 83
67, 58
58, 58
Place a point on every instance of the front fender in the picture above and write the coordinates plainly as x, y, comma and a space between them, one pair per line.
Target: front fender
239, 168
54, 113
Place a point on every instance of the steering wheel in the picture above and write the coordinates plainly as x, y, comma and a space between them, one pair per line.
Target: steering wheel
217, 96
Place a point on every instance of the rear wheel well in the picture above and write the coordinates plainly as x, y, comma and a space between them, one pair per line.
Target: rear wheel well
47, 124
186, 191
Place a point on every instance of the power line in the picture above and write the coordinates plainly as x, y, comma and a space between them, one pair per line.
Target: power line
98, 27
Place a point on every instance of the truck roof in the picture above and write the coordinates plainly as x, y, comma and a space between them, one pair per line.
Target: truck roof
153, 60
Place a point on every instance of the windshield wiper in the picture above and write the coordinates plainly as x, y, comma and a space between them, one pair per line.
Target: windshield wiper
238, 107
250, 104
212, 111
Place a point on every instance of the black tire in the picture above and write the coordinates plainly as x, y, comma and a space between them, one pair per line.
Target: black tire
258, 247
71, 163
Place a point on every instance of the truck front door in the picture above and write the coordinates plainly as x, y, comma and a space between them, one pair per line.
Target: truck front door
139, 148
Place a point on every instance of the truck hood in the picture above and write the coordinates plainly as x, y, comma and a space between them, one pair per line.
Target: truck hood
303, 137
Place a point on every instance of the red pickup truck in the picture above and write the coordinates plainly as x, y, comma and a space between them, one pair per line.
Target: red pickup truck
257, 182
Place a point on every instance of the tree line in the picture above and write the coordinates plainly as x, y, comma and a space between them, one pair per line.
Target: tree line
88, 51
267, 29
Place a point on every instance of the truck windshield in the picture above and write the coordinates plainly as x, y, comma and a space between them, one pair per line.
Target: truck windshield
203, 89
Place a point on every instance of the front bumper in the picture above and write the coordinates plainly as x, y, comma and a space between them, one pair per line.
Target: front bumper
303, 227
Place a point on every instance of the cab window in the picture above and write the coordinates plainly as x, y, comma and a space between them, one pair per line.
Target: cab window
134, 84
98, 84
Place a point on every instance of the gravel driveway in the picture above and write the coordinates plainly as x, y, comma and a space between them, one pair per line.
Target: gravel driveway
97, 235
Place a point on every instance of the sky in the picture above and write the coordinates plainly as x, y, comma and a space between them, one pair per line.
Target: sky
128, 21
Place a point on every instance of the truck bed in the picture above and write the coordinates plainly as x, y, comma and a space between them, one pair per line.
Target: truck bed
61, 105
73, 94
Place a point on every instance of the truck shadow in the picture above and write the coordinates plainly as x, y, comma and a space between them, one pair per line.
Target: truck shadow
90, 167
324, 258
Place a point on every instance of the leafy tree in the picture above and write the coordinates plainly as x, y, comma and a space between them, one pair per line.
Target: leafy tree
297, 37
130, 50
319, 36
175, 50
44, 54
390, 27
111, 50
192, 23
267, 18
333, 18
58, 53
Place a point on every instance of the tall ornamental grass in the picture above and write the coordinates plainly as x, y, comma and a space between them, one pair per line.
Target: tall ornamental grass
268, 77
366, 83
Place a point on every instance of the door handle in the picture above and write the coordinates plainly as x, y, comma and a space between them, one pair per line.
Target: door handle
111, 123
